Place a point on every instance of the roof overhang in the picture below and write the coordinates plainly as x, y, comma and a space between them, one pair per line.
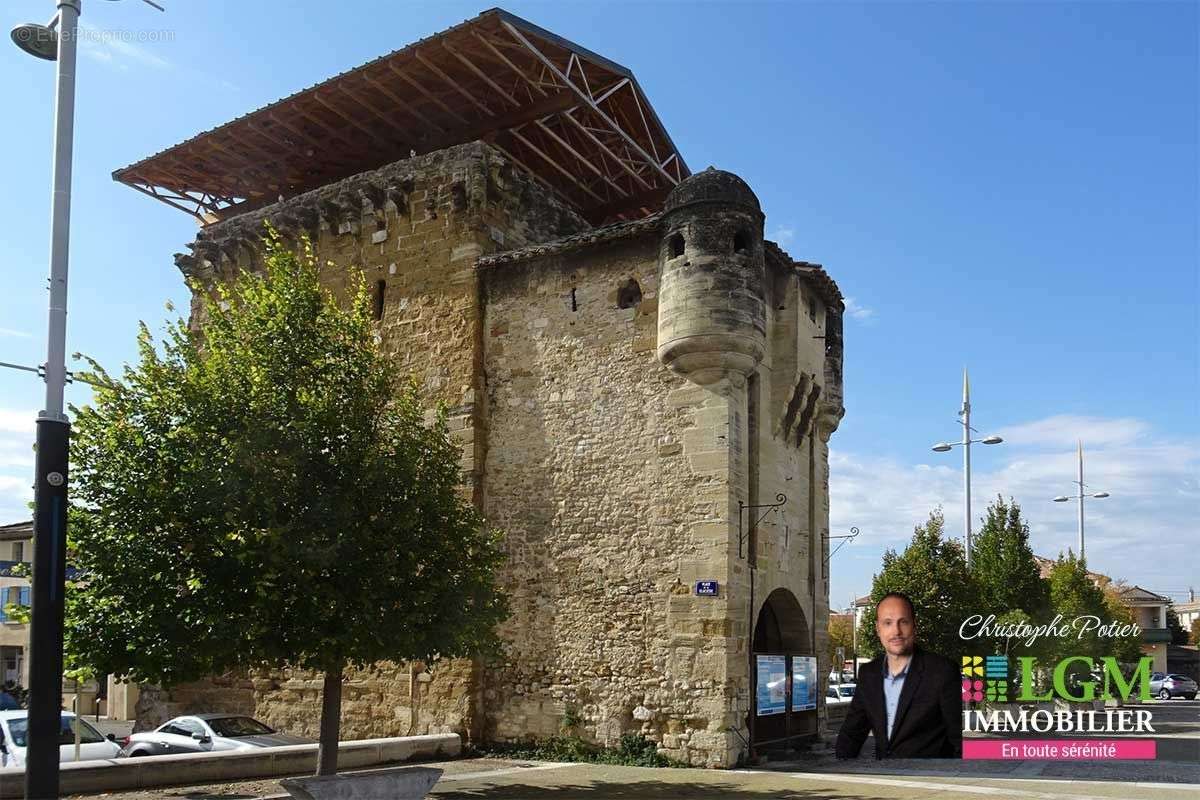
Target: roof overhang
579, 123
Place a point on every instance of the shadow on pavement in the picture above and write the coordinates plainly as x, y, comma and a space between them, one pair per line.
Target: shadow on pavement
1161, 771
644, 790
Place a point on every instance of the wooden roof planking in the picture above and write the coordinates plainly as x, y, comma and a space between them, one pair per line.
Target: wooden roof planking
579, 123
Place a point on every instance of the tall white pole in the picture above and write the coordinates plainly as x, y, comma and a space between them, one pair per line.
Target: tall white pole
1080, 499
53, 432
966, 443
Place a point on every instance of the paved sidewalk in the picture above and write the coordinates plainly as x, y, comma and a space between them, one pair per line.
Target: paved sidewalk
494, 779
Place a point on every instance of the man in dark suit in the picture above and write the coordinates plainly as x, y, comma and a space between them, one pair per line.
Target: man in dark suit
909, 698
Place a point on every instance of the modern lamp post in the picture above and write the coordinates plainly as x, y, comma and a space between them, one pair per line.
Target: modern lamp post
945, 447
53, 428
54, 41
1082, 494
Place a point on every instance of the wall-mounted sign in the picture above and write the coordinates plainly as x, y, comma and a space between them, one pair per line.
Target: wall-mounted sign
804, 683
707, 588
771, 687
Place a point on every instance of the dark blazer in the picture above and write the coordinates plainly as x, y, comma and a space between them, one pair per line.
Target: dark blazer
928, 717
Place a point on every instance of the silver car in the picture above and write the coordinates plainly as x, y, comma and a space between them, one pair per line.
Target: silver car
1165, 685
204, 733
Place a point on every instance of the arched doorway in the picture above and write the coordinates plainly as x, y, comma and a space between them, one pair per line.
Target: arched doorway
783, 673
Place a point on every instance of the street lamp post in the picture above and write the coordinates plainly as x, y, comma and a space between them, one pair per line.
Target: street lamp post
1082, 494
945, 447
53, 428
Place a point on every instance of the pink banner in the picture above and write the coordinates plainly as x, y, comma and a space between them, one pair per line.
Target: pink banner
1059, 749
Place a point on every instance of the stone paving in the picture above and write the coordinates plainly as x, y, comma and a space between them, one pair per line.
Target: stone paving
493, 779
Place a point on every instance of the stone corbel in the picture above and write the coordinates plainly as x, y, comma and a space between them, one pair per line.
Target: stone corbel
795, 406
828, 420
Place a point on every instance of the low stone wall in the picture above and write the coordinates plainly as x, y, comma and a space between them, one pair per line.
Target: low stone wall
86, 777
382, 700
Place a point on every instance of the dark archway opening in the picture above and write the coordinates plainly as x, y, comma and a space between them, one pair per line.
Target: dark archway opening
784, 675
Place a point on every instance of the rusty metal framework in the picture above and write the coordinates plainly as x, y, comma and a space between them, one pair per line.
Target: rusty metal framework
579, 123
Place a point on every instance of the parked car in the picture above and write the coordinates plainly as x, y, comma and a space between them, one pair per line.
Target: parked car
203, 733
842, 693
92, 745
845, 677
1165, 685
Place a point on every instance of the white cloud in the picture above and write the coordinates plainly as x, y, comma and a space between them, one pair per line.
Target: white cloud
783, 235
1145, 532
15, 494
17, 433
857, 311
13, 420
1065, 430
116, 48
15, 332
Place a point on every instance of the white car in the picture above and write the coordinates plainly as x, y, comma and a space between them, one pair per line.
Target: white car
92, 745
204, 733
840, 693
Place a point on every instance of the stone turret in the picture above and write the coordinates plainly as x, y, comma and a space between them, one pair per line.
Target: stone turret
712, 305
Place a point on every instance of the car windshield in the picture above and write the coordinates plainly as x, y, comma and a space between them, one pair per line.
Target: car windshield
847, 691
17, 727
1179, 677
234, 727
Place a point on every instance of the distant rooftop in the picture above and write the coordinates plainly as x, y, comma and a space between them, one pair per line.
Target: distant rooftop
576, 121
16, 531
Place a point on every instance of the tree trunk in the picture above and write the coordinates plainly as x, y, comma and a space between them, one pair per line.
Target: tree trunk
331, 716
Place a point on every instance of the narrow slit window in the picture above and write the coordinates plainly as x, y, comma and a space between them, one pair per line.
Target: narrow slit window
676, 244
380, 292
574, 301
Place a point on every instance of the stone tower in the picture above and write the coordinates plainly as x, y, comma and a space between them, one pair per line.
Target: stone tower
633, 374
712, 309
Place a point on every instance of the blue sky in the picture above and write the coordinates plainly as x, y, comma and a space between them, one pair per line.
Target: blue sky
1006, 186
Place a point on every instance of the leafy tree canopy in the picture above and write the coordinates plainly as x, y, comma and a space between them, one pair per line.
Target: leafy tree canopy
264, 491
1006, 575
933, 572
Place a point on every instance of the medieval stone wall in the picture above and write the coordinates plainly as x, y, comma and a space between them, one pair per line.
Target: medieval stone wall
413, 231
615, 480
609, 475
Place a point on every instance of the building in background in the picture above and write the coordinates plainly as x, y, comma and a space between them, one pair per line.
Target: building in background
1188, 612
643, 387
16, 557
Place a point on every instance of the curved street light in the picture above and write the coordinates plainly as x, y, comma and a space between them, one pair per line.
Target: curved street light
967, 441
1062, 498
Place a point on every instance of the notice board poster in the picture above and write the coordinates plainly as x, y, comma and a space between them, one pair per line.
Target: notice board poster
804, 683
771, 692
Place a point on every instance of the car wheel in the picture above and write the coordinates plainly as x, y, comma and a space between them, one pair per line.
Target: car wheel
1190, 696
1163, 694
139, 753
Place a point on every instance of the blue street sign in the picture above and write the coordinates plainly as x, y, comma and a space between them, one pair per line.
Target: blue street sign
707, 588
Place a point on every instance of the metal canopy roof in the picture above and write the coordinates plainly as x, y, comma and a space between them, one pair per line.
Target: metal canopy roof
579, 123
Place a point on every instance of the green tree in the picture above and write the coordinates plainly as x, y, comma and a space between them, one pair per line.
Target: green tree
1006, 575
1195, 631
933, 572
841, 634
264, 492
1073, 594
1178, 634
1127, 649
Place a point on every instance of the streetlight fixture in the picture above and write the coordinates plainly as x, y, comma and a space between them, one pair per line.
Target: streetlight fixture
945, 447
56, 41
53, 427
1080, 497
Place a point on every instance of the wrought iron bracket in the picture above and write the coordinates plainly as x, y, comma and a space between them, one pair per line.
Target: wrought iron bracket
743, 507
848, 537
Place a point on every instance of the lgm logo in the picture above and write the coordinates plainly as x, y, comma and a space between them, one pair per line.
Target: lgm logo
988, 676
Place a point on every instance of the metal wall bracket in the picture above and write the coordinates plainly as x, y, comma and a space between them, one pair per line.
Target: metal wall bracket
743, 507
